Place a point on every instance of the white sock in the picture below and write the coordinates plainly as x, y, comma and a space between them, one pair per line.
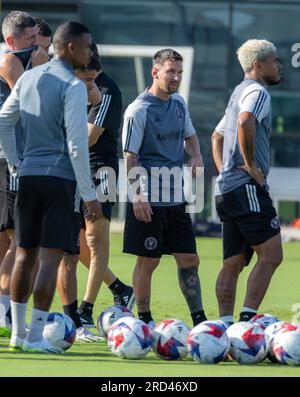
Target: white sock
4, 306
248, 309
227, 319
18, 318
38, 320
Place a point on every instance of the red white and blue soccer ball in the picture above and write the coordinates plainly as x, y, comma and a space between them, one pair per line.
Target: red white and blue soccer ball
270, 333
247, 342
129, 337
169, 339
208, 342
264, 319
109, 315
60, 330
286, 345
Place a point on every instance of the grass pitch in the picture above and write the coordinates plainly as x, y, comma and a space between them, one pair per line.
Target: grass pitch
96, 360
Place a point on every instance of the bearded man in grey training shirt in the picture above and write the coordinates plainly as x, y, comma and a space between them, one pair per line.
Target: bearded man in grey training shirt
241, 152
50, 102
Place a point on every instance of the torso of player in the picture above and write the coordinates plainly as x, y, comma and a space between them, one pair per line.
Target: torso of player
162, 144
108, 115
232, 175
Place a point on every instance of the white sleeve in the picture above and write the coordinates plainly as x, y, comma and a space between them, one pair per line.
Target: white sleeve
220, 128
255, 101
9, 115
77, 138
133, 128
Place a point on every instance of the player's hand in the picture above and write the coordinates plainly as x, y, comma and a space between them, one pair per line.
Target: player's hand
256, 173
39, 56
195, 163
142, 210
94, 210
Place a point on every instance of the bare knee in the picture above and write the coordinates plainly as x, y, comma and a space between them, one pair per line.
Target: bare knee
147, 264
187, 260
273, 260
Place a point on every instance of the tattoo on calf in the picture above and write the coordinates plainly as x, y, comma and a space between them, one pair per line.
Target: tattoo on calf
190, 287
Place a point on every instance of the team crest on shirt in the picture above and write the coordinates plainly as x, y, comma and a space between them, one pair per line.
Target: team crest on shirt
275, 223
150, 243
179, 113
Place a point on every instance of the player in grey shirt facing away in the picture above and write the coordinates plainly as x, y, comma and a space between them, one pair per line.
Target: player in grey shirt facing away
157, 128
50, 101
241, 153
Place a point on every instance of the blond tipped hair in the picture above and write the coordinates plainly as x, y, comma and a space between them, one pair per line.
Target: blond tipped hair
254, 50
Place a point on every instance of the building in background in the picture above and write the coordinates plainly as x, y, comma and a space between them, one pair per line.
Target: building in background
215, 29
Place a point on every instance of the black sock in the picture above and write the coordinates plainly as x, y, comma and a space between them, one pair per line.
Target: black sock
117, 287
198, 317
71, 311
145, 316
86, 307
246, 316
8, 314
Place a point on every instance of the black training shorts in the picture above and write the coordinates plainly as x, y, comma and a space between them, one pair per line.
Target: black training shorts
170, 231
47, 213
249, 218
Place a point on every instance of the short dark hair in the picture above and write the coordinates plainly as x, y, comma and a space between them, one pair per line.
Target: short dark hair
16, 22
67, 32
166, 53
44, 27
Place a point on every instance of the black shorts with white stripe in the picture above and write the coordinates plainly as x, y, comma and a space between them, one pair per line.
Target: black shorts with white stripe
249, 218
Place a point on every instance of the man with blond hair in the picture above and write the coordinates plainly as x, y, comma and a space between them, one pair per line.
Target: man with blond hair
241, 153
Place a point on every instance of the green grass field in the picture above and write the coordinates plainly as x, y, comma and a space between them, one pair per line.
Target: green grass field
96, 360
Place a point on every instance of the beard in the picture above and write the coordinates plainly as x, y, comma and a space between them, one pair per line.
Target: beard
271, 81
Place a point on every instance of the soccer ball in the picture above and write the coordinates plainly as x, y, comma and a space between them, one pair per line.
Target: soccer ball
247, 342
286, 345
169, 339
270, 332
109, 316
60, 330
264, 319
129, 337
208, 342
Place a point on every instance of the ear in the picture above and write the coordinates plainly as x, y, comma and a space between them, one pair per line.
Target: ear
154, 71
71, 48
10, 41
257, 65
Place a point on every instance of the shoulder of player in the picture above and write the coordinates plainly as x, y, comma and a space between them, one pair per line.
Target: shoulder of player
255, 89
10, 61
137, 107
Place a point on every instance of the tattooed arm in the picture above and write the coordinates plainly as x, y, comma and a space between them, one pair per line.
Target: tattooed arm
137, 179
246, 137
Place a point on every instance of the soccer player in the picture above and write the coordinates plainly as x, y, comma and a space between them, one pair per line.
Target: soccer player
44, 34
241, 153
20, 33
157, 127
55, 156
103, 123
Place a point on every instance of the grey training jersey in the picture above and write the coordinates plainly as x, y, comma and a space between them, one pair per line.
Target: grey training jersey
155, 130
50, 102
248, 96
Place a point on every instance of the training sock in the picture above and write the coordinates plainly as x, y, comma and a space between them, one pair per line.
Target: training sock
117, 287
145, 316
86, 307
247, 313
198, 317
38, 321
4, 308
18, 314
71, 311
227, 319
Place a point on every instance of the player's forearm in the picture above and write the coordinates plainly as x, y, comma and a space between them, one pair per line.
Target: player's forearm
136, 175
192, 146
94, 133
246, 137
217, 149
